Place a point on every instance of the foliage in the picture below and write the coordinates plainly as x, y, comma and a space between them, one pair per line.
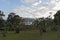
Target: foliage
57, 18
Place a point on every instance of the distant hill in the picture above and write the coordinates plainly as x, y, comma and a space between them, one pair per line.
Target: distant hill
28, 21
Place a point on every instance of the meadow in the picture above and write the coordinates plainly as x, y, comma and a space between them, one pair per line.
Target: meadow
30, 35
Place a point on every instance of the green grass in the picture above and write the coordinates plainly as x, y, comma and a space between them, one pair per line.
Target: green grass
24, 35
30, 35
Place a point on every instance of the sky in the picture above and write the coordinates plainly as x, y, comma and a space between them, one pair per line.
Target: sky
30, 8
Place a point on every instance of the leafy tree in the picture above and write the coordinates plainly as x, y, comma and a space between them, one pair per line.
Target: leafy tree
17, 21
1, 19
57, 21
35, 24
2, 24
40, 23
10, 21
57, 18
14, 22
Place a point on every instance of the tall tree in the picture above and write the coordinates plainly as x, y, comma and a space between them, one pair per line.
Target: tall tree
40, 23
2, 23
57, 21
9, 21
14, 21
1, 18
17, 21
57, 18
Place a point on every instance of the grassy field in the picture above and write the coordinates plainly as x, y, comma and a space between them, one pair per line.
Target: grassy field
30, 35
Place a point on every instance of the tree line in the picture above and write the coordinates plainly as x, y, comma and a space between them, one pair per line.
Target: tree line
48, 24
16, 23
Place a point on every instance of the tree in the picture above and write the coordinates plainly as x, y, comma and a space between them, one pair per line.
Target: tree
1, 13
1, 19
17, 21
40, 23
14, 22
2, 24
35, 24
57, 19
10, 21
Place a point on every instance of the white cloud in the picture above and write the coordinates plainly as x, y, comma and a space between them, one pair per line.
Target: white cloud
24, 11
57, 7
35, 4
29, 1
38, 8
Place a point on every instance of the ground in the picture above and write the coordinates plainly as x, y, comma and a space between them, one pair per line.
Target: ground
30, 35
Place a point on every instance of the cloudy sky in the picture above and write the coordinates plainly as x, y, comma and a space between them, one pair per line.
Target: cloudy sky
30, 8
